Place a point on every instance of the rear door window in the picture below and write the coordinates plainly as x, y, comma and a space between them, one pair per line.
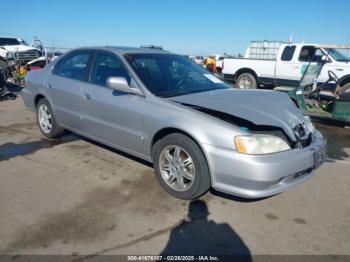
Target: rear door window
74, 66
288, 53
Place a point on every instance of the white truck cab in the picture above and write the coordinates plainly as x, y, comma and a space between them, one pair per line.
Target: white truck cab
14, 50
288, 66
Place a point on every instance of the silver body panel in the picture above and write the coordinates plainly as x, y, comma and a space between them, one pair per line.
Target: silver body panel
130, 122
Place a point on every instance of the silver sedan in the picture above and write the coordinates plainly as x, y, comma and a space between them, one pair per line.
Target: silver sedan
196, 130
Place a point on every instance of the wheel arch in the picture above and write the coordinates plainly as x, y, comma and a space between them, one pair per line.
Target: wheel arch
40, 96
170, 130
246, 70
344, 80
37, 98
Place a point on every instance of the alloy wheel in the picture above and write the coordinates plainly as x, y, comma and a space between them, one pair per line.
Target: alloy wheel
177, 167
45, 119
245, 83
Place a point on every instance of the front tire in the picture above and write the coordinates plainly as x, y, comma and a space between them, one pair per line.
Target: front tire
181, 167
46, 119
246, 81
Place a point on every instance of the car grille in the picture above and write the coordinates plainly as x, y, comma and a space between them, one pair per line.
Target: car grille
27, 55
304, 137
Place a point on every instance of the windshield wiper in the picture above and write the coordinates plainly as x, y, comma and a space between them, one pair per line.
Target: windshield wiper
181, 93
176, 94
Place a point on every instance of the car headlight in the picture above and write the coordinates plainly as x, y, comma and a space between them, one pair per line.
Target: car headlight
260, 144
9, 55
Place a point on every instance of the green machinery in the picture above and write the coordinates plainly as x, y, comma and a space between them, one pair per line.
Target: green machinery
313, 97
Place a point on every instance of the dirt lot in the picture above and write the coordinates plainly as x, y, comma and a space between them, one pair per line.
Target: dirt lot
73, 196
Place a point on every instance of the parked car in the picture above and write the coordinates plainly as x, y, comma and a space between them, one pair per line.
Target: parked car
287, 67
163, 108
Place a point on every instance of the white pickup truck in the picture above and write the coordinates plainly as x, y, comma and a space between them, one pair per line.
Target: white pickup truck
288, 66
14, 50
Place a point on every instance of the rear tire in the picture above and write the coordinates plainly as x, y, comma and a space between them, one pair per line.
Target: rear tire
246, 81
46, 120
195, 177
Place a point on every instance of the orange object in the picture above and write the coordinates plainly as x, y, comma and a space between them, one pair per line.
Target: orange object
240, 145
22, 70
210, 63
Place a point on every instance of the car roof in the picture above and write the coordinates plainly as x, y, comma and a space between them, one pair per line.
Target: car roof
10, 37
335, 46
124, 50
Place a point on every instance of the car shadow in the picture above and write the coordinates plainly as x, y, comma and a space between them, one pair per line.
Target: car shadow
11, 150
197, 235
132, 157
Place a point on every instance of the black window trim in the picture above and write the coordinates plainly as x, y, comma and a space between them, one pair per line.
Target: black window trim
71, 54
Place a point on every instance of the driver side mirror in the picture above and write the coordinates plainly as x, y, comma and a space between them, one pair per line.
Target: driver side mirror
326, 59
121, 84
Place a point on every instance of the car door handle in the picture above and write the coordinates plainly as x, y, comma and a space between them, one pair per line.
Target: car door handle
339, 69
87, 97
48, 86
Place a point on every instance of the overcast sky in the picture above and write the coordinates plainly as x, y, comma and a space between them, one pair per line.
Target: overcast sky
187, 27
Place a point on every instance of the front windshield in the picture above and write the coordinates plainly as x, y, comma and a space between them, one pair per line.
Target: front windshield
23, 42
339, 54
9, 41
167, 75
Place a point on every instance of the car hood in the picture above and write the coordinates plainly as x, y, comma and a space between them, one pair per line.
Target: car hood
17, 48
261, 107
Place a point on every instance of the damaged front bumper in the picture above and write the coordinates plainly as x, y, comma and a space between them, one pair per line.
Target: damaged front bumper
252, 176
